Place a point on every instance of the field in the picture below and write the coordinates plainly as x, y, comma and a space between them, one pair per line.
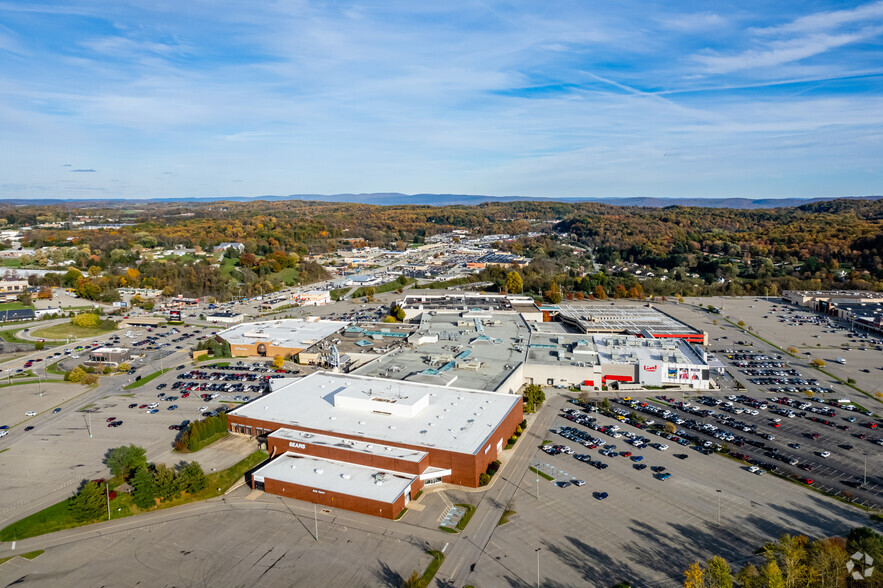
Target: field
13, 306
60, 332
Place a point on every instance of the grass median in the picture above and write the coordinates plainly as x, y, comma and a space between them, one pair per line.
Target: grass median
58, 517
63, 331
145, 379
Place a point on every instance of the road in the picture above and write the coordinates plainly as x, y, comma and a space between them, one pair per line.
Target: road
471, 543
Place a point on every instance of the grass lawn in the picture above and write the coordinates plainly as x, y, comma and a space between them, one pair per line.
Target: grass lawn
9, 336
541, 474
338, 293
13, 306
145, 379
11, 262
53, 368
58, 517
505, 518
470, 510
438, 559
289, 275
28, 555
25, 374
61, 332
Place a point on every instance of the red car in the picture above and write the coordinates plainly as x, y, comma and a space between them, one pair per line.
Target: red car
185, 394
627, 454
111, 419
807, 481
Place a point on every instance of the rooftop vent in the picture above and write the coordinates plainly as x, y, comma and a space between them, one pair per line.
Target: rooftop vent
319, 471
345, 476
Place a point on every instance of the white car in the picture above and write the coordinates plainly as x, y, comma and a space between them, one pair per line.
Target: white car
30, 413
825, 454
662, 447
203, 408
152, 405
754, 469
4, 433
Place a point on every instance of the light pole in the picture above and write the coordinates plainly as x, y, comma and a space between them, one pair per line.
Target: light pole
107, 494
538, 549
316, 515
865, 482
718, 507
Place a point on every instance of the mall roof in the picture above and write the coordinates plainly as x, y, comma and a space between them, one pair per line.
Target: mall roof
395, 411
619, 318
337, 476
294, 333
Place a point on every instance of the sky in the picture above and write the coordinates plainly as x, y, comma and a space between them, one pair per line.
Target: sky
220, 98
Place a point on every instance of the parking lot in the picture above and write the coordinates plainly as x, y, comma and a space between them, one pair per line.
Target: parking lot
647, 529
249, 544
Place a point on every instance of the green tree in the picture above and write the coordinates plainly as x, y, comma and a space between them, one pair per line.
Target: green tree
533, 398
718, 574
39, 345
402, 280
89, 503
145, 493
192, 478
166, 480
124, 367
123, 460
514, 284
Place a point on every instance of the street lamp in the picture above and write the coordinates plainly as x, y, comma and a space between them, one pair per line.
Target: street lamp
718, 507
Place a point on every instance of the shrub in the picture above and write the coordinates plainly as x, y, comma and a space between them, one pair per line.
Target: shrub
484, 480
518, 430
123, 367
39, 345
75, 375
513, 439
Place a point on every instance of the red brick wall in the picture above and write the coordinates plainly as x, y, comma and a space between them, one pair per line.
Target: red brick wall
336, 499
382, 462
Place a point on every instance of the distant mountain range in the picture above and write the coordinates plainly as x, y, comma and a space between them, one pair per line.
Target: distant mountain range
393, 198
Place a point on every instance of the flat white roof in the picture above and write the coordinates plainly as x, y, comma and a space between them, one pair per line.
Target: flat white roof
109, 350
337, 476
297, 333
349, 445
453, 419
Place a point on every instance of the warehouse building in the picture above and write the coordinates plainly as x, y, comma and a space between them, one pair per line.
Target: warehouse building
369, 444
640, 320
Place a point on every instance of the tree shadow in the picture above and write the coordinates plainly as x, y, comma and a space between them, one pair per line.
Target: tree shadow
388, 576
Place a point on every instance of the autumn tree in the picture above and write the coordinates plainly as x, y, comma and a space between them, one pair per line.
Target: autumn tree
694, 577
514, 284
278, 362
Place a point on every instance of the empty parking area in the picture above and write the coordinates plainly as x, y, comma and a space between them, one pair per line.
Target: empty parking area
647, 530
236, 547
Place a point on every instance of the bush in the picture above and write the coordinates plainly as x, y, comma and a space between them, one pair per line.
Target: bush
484, 480
518, 430
75, 375
123, 367
39, 345
513, 439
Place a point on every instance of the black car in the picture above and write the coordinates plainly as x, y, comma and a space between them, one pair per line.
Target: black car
56, 411
562, 484
29, 428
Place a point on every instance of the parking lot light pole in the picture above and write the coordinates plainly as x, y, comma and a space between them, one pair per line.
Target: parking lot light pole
718, 507
538, 549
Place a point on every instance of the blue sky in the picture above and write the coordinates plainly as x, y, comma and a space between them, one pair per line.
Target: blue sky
158, 98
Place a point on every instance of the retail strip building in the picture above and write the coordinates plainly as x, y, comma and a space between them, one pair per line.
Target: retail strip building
370, 444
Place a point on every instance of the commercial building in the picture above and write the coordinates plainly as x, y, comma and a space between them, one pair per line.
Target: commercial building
10, 289
640, 320
230, 318
285, 337
109, 355
313, 298
862, 310
369, 444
